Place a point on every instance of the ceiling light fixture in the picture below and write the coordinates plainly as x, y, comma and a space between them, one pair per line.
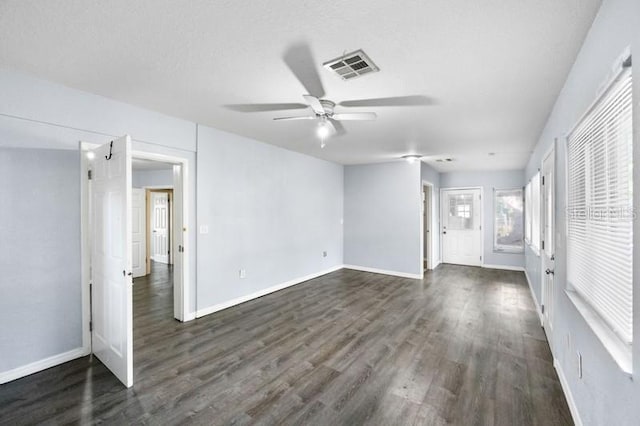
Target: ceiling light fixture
412, 158
323, 130
91, 155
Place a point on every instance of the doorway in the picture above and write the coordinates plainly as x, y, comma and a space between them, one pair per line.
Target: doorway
462, 226
109, 241
428, 257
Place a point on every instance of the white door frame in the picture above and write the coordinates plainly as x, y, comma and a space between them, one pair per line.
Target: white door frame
183, 293
431, 259
482, 230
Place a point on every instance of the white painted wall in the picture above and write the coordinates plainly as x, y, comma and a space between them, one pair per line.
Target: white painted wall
269, 211
152, 178
382, 217
507, 179
604, 395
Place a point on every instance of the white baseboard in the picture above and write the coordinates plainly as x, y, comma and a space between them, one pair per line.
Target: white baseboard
238, 300
43, 364
384, 272
567, 393
535, 300
504, 267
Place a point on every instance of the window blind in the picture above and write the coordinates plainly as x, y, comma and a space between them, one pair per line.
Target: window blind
600, 207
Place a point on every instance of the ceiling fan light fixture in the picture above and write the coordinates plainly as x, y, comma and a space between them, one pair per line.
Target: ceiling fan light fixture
411, 158
322, 130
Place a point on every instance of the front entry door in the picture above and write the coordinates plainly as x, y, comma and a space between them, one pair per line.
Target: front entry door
461, 226
111, 274
548, 241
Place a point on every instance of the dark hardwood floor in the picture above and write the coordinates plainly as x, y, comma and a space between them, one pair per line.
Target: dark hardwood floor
463, 346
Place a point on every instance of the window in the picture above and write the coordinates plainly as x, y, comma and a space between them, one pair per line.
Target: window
461, 211
507, 224
535, 213
600, 208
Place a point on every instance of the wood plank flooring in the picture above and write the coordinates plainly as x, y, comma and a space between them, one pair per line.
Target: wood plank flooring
463, 346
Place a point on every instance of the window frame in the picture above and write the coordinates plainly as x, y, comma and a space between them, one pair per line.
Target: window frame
497, 248
620, 351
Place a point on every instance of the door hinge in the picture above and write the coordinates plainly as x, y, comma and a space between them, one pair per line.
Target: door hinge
90, 326
542, 244
543, 180
480, 257
89, 174
481, 227
542, 309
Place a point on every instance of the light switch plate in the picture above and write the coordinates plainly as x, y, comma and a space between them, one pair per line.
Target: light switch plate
204, 229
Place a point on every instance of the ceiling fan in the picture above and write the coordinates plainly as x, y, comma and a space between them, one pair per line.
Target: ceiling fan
300, 61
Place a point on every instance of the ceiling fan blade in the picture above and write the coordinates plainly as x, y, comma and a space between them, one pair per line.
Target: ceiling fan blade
362, 116
301, 63
414, 100
264, 107
304, 117
339, 128
314, 103
331, 126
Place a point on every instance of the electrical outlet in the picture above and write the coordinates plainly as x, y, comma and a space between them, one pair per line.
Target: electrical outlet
243, 273
579, 365
324, 254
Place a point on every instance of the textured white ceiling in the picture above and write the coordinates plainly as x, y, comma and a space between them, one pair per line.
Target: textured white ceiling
490, 69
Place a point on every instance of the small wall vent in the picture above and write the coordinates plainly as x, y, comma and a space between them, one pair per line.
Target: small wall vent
352, 65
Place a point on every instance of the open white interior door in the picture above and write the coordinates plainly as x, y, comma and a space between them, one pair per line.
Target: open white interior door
111, 275
178, 243
548, 242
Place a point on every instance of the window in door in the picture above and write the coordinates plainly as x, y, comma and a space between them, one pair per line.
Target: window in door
461, 211
508, 221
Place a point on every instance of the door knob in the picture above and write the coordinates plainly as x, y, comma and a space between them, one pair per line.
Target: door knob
549, 271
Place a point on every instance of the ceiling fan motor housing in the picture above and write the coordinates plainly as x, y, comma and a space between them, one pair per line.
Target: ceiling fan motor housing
327, 106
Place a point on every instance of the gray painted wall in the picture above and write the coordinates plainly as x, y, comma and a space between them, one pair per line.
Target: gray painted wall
40, 306
429, 174
382, 215
269, 211
488, 181
144, 178
604, 395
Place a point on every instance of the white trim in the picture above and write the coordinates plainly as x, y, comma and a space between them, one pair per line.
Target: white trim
619, 351
535, 300
43, 364
573, 408
503, 267
384, 272
238, 300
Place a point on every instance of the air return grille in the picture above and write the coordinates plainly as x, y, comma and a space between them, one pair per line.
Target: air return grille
352, 65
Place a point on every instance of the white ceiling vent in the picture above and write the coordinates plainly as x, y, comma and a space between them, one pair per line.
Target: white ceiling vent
352, 65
